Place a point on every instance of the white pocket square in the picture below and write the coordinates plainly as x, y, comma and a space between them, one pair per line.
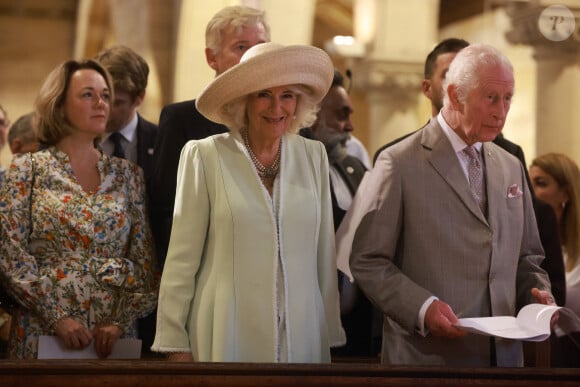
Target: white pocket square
514, 191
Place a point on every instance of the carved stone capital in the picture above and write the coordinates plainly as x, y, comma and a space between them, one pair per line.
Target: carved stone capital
399, 78
527, 28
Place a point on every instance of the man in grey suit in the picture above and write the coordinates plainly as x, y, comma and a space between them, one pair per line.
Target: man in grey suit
432, 247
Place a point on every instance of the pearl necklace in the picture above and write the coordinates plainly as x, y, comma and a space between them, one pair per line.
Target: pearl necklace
263, 171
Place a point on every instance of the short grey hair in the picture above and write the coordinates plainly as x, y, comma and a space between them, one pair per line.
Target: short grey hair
465, 69
237, 16
23, 128
305, 115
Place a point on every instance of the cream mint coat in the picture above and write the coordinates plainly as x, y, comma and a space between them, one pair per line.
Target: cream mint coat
217, 296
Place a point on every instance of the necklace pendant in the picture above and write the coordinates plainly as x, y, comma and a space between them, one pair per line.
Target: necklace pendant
264, 172
270, 172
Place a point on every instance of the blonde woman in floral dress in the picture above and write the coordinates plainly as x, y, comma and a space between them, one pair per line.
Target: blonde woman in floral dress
76, 250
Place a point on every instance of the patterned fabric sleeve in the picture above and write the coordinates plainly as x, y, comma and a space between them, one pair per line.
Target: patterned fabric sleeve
18, 267
135, 277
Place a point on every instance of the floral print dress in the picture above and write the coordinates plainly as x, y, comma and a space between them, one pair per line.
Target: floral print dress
68, 252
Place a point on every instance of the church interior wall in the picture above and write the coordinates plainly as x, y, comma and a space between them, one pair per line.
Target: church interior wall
33, 44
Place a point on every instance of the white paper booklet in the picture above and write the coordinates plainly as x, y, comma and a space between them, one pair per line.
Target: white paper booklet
531, 324
49, 347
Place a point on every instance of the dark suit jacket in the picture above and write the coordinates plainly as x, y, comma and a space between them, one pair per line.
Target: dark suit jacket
146, 135
178, 123
517, 151
352, 170
553, 263
361, 321
545, 217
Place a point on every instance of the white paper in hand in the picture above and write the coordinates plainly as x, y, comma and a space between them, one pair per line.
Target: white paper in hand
50, 347
531, 324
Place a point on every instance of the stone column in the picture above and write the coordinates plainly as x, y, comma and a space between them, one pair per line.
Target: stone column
393, 90
291, 22
391, 72
101, 24
558, 73
192, 72
131, 27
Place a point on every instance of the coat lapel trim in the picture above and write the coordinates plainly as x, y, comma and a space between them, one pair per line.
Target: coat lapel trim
280, 260
276, 220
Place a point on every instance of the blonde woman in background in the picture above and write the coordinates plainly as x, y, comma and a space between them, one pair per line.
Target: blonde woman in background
556, 180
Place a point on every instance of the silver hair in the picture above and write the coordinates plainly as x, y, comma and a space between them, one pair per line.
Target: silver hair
466, 67
237, 16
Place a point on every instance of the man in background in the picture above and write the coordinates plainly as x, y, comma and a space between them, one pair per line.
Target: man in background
333, 128
22, 136
436, 66
230, 33
128, 135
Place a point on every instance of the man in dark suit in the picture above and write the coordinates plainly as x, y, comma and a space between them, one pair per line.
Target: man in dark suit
129, 135
231, 32
333, 128
436, 66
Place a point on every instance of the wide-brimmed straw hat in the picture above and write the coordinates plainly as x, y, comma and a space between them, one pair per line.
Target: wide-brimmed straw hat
264, 66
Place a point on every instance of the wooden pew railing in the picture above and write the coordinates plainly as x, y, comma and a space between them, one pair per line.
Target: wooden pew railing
89, 373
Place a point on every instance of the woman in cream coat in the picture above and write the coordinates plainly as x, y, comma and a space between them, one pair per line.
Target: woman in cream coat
250, 274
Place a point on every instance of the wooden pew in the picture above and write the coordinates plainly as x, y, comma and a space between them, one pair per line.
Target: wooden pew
83, 373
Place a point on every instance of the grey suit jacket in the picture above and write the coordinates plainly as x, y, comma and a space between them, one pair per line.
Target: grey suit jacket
424, 235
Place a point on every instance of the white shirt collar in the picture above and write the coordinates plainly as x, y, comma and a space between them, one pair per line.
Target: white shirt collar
129, 130
456, 142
